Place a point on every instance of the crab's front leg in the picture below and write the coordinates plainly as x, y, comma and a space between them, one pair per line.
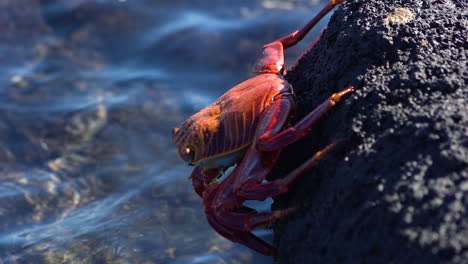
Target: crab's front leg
293, 38
271, 58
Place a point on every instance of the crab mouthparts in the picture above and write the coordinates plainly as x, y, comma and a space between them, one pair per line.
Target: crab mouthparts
213, 175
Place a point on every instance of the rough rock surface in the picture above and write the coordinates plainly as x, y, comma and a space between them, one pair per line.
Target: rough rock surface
396, 191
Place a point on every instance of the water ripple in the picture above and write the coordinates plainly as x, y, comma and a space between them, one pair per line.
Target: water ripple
85, 123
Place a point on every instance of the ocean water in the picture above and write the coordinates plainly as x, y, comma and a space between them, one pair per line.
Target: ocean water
89, 94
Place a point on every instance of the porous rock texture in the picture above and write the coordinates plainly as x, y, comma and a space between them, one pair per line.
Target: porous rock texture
396, 189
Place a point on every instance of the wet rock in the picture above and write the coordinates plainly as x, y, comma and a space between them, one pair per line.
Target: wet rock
396, 190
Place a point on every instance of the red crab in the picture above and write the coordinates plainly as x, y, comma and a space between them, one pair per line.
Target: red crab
247, 127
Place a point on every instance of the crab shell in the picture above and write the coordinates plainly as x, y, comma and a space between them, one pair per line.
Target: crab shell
228, 126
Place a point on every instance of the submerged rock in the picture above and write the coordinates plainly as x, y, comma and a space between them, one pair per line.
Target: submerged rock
396, 191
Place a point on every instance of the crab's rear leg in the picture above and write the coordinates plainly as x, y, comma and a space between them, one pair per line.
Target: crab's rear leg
252, 241
244, 237
236, 225
245, 222
271, 58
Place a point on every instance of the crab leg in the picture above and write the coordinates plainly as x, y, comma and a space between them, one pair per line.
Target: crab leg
198, 181
298, 35
271, 58
246, 238
311, 46
250, 240
281, 186
276, 116
201, 177
273, 142
230, 223
246, 222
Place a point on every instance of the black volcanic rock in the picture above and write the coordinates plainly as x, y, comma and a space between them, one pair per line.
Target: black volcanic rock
396, 191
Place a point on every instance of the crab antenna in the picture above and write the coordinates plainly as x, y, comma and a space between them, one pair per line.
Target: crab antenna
298, 35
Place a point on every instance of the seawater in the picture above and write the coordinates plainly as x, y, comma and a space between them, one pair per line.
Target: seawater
89, 93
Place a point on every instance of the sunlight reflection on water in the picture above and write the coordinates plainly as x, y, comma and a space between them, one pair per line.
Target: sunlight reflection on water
89, 173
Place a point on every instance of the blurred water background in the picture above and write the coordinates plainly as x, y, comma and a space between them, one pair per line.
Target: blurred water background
89, 93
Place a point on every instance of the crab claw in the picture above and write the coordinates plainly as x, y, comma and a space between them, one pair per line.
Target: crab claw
270, 59
202, 178
198, 181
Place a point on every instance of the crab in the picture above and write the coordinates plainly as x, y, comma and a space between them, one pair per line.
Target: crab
247, 127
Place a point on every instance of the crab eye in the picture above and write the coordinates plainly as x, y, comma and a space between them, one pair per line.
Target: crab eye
187, 151
187, 154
